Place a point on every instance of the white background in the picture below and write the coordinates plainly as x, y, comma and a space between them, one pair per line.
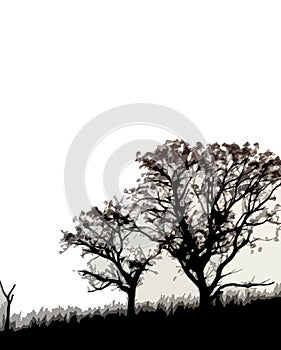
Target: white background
64, 62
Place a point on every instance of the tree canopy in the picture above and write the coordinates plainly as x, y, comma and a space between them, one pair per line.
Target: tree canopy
202, 204
205, 202
111, 237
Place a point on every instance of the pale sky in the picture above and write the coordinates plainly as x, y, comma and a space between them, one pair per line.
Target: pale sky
64, 62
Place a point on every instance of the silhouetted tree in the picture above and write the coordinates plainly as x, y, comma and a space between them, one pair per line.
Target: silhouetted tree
114, 240
204, 202
9, 298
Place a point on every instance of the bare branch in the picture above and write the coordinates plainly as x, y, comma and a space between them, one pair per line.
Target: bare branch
241, 285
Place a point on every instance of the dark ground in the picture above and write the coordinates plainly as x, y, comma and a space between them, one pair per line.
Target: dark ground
255, 324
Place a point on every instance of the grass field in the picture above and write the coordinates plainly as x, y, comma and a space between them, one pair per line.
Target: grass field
255, 323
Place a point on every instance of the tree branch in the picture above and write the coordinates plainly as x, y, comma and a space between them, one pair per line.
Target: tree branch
8, 296
240, 285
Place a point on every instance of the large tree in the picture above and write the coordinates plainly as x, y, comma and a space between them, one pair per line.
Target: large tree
205, 203
117, 246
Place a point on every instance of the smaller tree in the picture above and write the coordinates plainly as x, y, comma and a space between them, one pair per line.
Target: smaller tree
115, 242
9, 298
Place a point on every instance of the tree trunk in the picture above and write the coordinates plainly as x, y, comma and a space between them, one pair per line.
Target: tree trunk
205, 298
7, 320
9, 298
131, 302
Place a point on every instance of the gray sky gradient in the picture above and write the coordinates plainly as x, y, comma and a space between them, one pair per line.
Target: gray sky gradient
63, 63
